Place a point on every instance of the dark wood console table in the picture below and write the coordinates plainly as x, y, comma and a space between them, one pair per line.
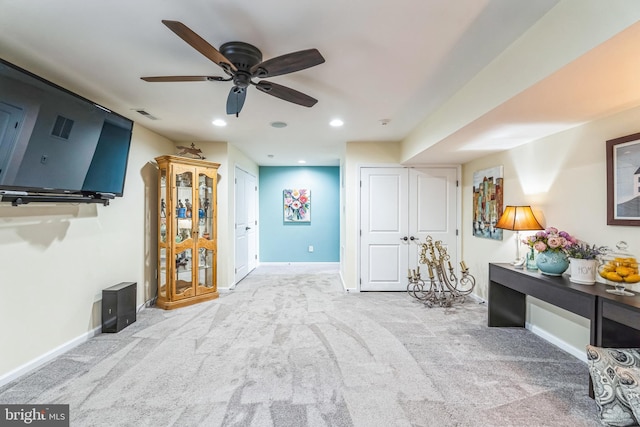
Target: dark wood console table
618, 321
614, 319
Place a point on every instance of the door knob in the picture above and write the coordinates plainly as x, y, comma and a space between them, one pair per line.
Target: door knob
405, 238
247, 228
412, 238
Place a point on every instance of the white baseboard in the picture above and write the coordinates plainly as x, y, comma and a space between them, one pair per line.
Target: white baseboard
52, 354
478, 299
344, 285
580, 354
301, 263
545, 335
48, 356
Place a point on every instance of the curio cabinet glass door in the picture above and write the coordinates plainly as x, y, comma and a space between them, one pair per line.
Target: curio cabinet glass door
187, 235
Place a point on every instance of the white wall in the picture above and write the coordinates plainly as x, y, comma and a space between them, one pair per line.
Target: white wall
566, 32
563, 178
359, 154
57, 258
228, 156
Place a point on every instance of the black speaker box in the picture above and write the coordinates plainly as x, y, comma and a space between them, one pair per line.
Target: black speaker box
118, 306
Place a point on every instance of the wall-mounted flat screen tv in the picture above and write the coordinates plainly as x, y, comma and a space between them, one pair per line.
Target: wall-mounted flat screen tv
54, 141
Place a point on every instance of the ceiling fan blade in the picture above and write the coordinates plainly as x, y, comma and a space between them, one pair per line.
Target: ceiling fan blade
288, 63
185, 79
199, 44
235, 100
286, 93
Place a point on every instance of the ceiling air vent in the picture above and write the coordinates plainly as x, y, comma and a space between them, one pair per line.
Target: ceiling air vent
147, 115
62, 127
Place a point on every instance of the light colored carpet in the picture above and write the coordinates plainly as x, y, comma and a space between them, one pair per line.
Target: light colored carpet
288, 347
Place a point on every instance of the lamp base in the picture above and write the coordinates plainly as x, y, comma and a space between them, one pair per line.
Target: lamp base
519, 263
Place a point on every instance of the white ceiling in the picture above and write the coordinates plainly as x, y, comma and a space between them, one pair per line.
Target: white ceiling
395, 61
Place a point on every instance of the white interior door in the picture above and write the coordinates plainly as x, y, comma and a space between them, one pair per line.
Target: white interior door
400, 207
251, 201
241, 259
384, 229
433, 209
245, 224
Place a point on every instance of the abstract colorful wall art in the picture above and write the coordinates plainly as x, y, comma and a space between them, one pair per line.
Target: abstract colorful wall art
487, 202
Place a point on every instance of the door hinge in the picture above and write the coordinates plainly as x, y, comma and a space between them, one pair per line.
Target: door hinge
360, 183
360, 232
456, 182
255, 256
361, 280
456, 231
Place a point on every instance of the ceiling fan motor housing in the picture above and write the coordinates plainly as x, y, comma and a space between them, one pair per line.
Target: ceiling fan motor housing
242, 55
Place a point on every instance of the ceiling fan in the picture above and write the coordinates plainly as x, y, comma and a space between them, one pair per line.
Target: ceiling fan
242, 63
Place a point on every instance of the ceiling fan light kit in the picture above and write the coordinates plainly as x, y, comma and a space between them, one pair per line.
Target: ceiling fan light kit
242, 62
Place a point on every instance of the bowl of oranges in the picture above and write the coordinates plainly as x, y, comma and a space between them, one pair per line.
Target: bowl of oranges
619, 269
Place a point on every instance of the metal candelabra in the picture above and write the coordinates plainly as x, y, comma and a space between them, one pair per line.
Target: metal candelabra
442, 287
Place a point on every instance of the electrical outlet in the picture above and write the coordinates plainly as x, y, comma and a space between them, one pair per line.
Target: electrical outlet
43, 159
310, 248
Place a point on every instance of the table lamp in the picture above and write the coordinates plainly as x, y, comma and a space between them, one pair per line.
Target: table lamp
518, 218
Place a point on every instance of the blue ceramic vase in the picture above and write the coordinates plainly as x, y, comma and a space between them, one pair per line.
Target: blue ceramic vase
552, 263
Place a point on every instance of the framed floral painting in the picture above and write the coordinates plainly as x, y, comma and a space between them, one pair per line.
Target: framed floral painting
623, 180
297, 205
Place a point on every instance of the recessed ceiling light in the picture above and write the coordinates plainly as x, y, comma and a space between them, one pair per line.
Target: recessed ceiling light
302, 161
278, 125
336, 123
219, 122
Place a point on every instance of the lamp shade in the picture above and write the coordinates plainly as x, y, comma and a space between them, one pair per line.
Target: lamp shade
518, 218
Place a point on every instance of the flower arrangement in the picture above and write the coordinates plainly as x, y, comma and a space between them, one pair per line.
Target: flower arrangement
550, 239
582, 250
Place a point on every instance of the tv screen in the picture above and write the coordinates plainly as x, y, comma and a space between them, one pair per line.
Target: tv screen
54, 141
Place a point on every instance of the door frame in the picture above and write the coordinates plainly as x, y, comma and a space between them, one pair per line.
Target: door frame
397, 165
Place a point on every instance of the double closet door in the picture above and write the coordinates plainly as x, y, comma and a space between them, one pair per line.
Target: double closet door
399, 208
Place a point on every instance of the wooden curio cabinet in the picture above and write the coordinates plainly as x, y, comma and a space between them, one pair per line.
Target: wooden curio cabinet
187, 234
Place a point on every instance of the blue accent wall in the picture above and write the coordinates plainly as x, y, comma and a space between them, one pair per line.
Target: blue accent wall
289, 242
